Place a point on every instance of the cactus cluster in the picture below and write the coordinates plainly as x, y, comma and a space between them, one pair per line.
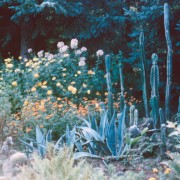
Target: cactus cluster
6, 147
18, 159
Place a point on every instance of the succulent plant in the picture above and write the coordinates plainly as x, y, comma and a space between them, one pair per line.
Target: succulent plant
18, 159
144, 74
6, 147
169, 61
132, 108
163, 139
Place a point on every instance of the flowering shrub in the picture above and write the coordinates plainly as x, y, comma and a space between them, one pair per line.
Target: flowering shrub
63, 77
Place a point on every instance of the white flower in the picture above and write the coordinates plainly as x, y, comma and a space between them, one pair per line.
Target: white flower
46, 54
30, 50
78, 52
99, 53
50, 57
74, 43
82, 59
17, 70
40, 54
82, 63
60, 44
83, 49
63, 49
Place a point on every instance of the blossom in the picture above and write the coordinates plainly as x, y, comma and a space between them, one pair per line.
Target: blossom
83, 49
40, 54
152, 178
78, 72
74, 91
14, 83
30, 50
49, 92
54, 78
20, 57
17, 70
74, 43
167, 171
84, 85
99, 52
50, 57
90, 72
82, 63
82, 59
35, 59
44, 83
155, 170
63, 49
9, 65
70, 88
58, 84
88, 91
66, 55
78, 52
33, 89
36, 75
60, 44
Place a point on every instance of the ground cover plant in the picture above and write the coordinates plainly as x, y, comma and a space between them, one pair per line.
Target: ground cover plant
63, 117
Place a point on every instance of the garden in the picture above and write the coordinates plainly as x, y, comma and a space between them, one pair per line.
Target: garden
89, 90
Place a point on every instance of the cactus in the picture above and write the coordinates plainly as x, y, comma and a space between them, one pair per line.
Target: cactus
109, 87
18, 159
143, 73
178, 113
162, 120
6, 147
121, 83
132, 108
154, 81
169, 61
163, 139
136, 117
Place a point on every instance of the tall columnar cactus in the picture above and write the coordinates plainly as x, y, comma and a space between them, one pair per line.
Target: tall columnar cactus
154, 81
178, 113
109, 86
132, 108
169, 61
143, 74
121, 83
162, 120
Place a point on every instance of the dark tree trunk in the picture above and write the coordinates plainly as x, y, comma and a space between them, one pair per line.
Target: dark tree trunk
26, 37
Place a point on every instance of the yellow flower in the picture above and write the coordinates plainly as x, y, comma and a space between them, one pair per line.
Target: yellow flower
64, 74
74, 90
58, 99
44, 83
20, 57
167, 171
38, 84
70, 88
58, 84
26, 102
44, 87
7, 60
9, 65
36, 75
155, 170
33, 89
152, 178
88, 91
49, 92
97, 93
35, 59
73, 82
106, 93
90, 72
14, 83
54, 78
84, 85
79, 72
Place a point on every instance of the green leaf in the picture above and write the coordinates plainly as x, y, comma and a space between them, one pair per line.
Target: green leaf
135, 140
144, 131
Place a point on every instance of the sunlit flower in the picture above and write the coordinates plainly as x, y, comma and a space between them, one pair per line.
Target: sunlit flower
36, 75
155, 170
88, 92
33, 89
35, 59
82, 63
70, 88
17, 70
152, 178
64, 69
26, 102
49, 92
39, 84
78, 72
50, 57
74, 91
20, 57
66, 55
44, 83
14, 83
64, 74
167, 171
60, 44
73, 82
40, 54
54, 78
9, 65
30, 50
97, 93
58, 84
84, 85
78, 52
106, 93
63, 49
83, 49
99, 53
90, 72
74, 43
43, 87
82, 59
